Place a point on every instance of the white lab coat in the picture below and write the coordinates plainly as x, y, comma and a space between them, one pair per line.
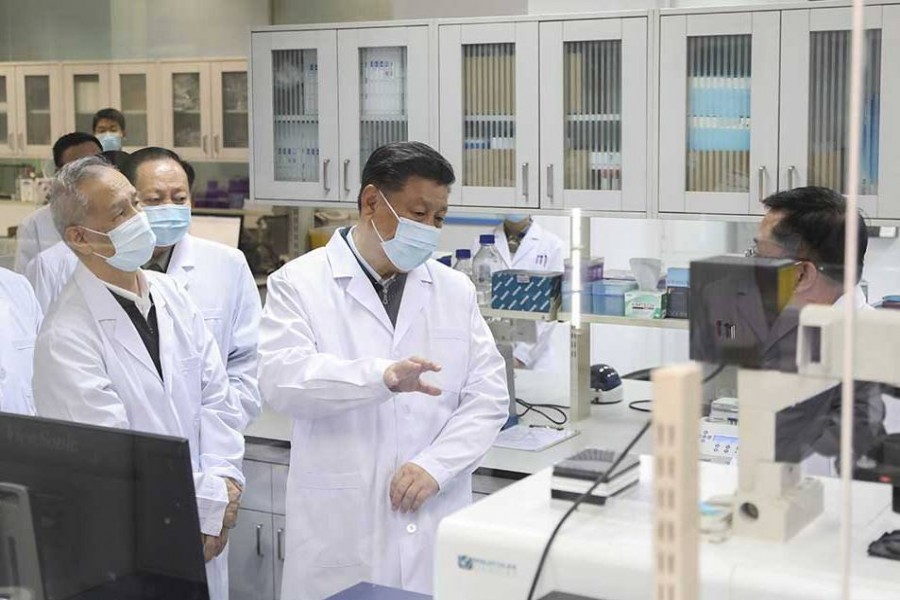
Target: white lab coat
540, 250
220, 284
90, 366
325, 342
20, 319
35, 234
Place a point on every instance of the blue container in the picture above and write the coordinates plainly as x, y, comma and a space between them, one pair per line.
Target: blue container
531, 291
609, 297
678, 277
720, 102
708, 138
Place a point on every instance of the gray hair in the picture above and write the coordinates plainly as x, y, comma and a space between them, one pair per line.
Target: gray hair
67, 202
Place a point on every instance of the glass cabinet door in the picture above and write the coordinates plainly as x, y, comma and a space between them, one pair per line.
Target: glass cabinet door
489, 112
231, 125
86, 92
718, 146
7, 112
131, 91
187, 109
295, 141
39, 107
593, 116
386, 71
816, 104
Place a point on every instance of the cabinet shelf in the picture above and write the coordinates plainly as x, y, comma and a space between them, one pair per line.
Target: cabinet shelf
491, 118
599, 118
296, 119
629, 321
383, 119
522, 315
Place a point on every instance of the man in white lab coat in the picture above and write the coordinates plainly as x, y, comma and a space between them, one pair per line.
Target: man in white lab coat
128, 349
216, 277
393, 379
20, 319
36, 232
525, 245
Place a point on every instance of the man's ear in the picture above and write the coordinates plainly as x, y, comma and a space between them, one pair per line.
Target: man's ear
807, 275
74, 237
369, 200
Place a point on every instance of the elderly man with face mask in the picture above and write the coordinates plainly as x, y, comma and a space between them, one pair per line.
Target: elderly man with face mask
128, 349
393, 380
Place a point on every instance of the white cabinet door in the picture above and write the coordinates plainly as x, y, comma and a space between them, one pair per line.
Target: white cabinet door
39, 105
230, 106
718, 119
187, 114
134, 91
295, 115
279, 524
594, 114
85, 90
815, 104
8, 118
251, 566
383, 83
489, 112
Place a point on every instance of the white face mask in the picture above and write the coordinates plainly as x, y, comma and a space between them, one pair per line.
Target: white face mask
133, 241
413, 243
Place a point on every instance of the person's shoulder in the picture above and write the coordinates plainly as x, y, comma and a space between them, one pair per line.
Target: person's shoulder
13, 284
305, 266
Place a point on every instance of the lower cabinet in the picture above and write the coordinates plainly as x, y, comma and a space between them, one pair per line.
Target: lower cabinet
257, 543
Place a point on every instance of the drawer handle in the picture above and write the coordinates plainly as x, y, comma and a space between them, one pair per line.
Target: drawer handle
280, 544
259, 551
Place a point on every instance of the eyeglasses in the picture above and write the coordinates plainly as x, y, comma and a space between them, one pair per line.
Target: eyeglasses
753, 252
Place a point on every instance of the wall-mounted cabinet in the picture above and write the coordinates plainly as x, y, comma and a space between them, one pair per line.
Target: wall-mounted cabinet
323, 101
593, 122
757, 102
133, 89
31, 109
206, 109
85, 91
489, 112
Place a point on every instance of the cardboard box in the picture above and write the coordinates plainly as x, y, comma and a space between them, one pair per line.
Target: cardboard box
645, 304
531, 291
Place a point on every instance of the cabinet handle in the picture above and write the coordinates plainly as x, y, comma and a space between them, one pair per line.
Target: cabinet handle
550, 181
525, 179
205, 140
791, 170
325, 185
762, 183
11, 142
21, 142
346, 174
259, 551
216, 144
280, 544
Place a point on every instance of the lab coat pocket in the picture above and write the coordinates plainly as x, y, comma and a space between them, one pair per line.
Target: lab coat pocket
213, 318
330, 516
450, 349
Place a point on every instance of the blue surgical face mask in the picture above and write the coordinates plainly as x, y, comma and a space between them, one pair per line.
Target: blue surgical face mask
412, 244
516, 218
169, 222
133, 241
110, 141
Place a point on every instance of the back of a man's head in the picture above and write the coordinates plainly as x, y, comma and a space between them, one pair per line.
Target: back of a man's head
812, 224
71, 140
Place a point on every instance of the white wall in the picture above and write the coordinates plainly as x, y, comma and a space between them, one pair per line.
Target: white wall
290, 12
421, 9
543, 7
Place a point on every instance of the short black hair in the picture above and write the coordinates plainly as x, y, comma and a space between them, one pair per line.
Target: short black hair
117, 158
391, 165
109, 113
151, 153
70, 140
813, 225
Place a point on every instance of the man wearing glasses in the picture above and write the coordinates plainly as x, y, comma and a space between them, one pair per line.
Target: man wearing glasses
808, 224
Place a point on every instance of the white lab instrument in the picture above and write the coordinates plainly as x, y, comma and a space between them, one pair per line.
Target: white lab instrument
325, 342
218, 281
20, 319
718, 441
92, 367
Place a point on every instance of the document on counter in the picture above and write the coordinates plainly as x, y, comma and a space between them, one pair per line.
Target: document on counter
532, 438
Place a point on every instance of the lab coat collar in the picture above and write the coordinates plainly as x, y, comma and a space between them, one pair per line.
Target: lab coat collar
344, 266
527, 246
859, 299
113, 319
182, 261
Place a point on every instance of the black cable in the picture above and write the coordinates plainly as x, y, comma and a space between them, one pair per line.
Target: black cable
529, 407
596, 402
601, 479
638, 403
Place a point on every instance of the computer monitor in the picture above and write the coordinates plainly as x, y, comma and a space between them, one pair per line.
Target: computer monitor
92, 513
225, 229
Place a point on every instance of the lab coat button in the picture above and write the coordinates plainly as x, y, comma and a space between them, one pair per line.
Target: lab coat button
411, 528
